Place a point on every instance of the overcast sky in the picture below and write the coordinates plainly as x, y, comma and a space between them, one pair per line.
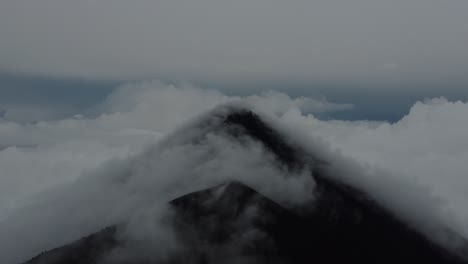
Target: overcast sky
412, 40
394, 50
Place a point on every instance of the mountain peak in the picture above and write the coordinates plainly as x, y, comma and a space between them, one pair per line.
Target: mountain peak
233, 222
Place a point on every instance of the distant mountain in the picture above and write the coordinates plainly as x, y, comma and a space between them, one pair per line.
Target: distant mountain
234, 223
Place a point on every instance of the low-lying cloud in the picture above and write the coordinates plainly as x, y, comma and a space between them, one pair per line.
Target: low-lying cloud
63, 179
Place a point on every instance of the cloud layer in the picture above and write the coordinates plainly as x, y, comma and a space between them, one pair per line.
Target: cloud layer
417, 41
63, 179
129, 119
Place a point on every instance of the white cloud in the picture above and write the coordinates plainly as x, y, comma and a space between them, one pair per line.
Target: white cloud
67, 178
132, 117
428, 144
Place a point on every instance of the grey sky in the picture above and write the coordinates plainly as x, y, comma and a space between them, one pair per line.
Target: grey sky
414, 41
379, 55
29, 99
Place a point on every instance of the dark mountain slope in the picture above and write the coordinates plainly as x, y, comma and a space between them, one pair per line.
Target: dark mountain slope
88, 249
233, 223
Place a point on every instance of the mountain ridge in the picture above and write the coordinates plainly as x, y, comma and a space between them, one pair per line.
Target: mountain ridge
343, 224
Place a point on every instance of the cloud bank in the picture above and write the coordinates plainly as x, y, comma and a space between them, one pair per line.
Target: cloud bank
64, 179
417, 41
